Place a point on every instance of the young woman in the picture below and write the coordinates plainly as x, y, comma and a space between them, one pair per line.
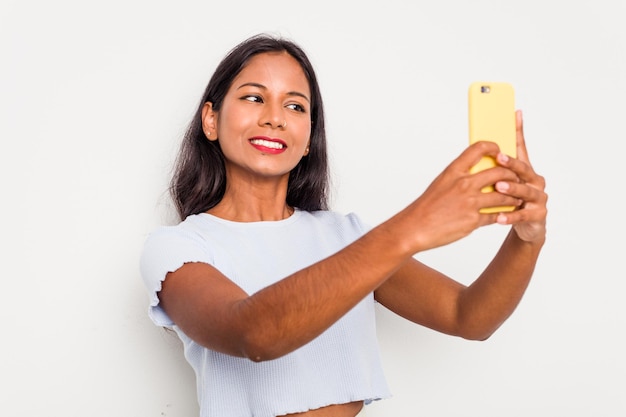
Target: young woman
271, 293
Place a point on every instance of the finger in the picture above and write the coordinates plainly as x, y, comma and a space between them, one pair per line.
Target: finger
528, 193
523, 192
522, 152
496, 199
490, 176
525, 215
474, 153
523, 169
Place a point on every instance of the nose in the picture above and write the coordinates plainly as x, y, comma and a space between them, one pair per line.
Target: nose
273, 116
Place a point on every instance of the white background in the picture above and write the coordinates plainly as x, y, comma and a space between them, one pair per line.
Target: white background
94, 98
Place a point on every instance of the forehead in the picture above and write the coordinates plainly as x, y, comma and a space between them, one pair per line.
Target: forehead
275, 70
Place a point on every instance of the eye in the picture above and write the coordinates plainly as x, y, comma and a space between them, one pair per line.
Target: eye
297, 107
253, 98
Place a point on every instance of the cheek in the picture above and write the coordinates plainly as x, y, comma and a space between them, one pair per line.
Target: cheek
306, 134
230, 124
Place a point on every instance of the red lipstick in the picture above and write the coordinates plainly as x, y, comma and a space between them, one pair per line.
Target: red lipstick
268, 145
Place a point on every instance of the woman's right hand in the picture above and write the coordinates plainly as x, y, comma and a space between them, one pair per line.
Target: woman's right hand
449, 208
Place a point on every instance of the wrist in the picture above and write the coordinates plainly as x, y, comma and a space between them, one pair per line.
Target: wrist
535, 239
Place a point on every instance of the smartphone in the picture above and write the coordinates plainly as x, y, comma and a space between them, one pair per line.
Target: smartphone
492, 118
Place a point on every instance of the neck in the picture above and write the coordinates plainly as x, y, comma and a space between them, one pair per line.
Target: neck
232, 211
253, 202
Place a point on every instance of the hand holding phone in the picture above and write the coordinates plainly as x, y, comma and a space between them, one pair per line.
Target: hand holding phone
492, 118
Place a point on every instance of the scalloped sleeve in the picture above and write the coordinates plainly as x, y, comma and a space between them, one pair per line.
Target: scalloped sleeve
165, 250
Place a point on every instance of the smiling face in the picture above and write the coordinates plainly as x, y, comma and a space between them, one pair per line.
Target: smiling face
264, 123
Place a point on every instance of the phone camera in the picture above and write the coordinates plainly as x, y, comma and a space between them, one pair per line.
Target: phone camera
485, 89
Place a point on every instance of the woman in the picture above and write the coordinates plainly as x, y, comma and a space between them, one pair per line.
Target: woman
271, 293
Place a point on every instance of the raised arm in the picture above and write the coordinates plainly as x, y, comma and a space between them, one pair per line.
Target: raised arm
427, 297
215, 312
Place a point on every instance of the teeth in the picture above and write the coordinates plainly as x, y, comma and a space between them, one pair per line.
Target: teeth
267, 143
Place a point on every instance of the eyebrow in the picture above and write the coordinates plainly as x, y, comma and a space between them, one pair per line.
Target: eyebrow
262, 87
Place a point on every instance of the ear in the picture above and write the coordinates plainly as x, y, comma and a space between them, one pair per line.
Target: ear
306, 150
209, 125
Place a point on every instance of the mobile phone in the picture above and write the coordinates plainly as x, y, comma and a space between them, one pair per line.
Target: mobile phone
492, 118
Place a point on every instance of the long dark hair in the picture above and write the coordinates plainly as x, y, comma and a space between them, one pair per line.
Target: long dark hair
199, 179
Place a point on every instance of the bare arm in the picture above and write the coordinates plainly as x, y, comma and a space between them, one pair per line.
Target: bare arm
215, 312
218, 314
427, 297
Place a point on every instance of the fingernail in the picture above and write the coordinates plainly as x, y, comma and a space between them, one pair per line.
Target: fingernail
502, 186
503, 158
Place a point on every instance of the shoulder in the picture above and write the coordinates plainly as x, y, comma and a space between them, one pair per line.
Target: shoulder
167, 248
188, 233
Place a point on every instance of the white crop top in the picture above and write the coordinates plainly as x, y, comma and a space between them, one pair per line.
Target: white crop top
339, 366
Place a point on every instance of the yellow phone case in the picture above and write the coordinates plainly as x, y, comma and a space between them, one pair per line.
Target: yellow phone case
492, 118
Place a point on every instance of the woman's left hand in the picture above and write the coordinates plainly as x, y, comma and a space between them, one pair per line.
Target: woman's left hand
529, 220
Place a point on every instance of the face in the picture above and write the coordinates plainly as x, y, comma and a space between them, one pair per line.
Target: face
264, 124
